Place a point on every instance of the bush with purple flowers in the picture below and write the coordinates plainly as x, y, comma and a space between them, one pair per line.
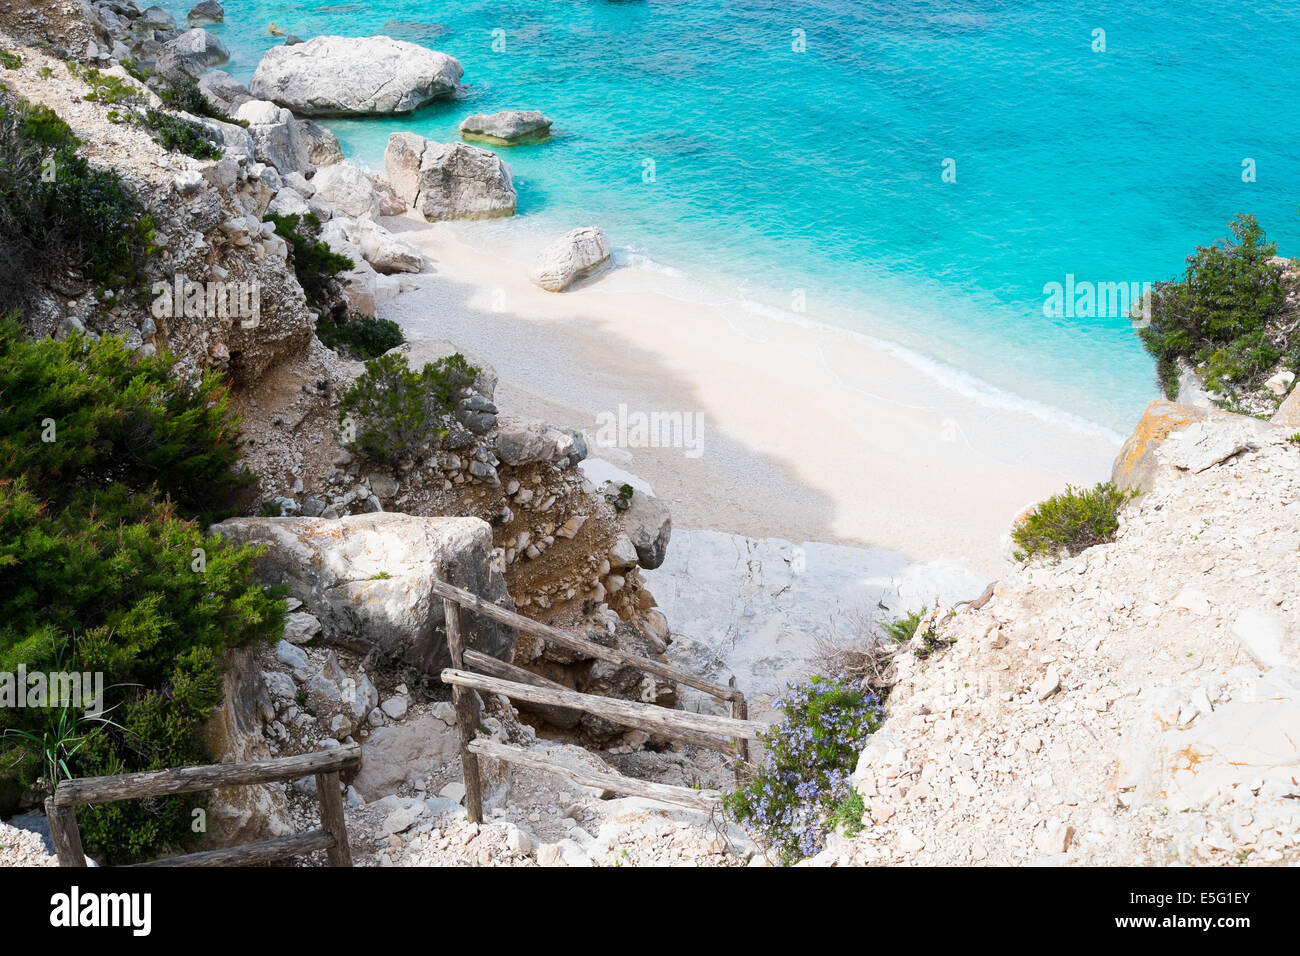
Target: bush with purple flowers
800, 793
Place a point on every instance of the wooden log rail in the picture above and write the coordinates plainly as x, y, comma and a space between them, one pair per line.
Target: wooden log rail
648, 717
729, 735
325, 766
554, 635
602, 779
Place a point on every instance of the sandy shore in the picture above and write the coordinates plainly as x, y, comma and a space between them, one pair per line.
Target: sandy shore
809, 433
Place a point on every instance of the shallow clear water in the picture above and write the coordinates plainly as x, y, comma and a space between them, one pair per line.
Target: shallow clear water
777, 170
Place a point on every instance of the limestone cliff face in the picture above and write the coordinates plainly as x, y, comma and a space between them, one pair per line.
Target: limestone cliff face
245, 311
1136, 704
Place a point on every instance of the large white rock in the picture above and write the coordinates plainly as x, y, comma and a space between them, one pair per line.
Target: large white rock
336, 567
384, 251
411, 751
506, 127
188, 56
349, 190
448, 180
354, 76
575, 255
275, 137
760, 609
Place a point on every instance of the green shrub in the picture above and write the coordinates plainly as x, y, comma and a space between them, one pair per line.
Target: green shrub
105, 88
79, 416
393, 414
179, 134
361, 336
58, 215
313, 262
803, 789
106, 459
111, 583
10, 61
1222, 316
1072, 521
186, 95
902, 630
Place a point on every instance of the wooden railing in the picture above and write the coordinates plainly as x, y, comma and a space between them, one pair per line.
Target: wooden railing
730, 735
326, 765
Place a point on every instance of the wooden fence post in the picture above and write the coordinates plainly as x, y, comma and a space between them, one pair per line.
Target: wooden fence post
467, 714
66, 835
328, 786
740, 711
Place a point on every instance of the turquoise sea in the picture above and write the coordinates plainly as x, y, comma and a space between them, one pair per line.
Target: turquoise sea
801, 145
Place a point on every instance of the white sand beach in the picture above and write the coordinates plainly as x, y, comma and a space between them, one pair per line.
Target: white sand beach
809, 433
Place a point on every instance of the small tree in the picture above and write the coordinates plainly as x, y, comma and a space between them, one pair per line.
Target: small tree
395, 414
1222, 316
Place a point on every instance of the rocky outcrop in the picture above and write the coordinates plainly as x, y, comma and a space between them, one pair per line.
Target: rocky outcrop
575, 255
354, 76
379, 247
506, 128
349, 190
448, 180
275, 136
322, 146
365, 577
223, 92
1137, 464
1137, 704
537, 442
188, 56
236, 734
648, 526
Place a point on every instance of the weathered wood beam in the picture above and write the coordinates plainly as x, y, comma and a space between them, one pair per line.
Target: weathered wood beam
65, 834
266, 851
590, 648
467, 715
329, 792
164, 783
604, 780
497, 668
647, 717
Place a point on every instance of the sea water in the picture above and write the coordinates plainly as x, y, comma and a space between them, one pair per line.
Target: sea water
920, 172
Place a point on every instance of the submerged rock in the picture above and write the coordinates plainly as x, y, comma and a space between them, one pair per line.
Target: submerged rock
506, 127
206, 11
354, 76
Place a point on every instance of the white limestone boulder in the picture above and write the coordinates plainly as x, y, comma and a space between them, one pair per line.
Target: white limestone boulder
354, 76
505, 128
575, 255
448, 180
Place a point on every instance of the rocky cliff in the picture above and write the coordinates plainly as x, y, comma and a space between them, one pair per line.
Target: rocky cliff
1138, 704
